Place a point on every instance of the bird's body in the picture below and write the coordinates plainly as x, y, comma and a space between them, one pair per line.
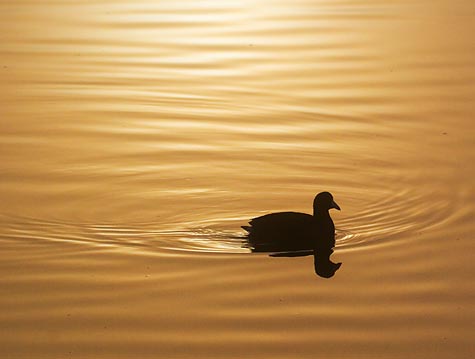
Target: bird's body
292, 231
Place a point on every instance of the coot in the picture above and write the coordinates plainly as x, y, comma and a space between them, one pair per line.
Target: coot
292, 231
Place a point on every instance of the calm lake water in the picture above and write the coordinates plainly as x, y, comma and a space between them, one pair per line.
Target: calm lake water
138, 136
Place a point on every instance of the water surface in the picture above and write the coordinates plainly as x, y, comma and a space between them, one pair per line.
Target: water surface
137, 137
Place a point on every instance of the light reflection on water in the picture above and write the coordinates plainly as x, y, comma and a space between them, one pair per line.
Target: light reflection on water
137, 137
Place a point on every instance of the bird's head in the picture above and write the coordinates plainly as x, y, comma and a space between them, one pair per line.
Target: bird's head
324, 201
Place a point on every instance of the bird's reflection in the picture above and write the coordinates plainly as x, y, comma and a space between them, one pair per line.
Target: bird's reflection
292, 234
323, 265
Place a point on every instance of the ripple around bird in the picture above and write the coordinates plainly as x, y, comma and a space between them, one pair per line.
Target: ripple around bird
379, 222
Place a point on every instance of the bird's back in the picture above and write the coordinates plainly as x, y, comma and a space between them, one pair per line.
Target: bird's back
283, 231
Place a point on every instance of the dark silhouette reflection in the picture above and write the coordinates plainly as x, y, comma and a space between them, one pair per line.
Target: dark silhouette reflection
292, 234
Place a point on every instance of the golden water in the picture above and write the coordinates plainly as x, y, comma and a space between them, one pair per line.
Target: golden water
138, 136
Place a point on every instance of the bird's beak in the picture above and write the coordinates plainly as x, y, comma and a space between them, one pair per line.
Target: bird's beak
334, 205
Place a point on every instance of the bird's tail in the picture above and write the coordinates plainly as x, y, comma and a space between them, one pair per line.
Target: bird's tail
247, 228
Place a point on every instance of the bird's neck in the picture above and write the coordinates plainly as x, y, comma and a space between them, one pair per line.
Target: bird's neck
320, 213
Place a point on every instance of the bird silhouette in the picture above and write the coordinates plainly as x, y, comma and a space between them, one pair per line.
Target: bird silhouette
293, 234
